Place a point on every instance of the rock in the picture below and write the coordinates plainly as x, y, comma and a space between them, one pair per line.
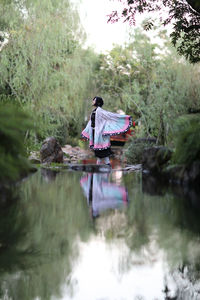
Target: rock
66, 160
174, 173
76, 153
66, 155
194, 172
34, 158
67, 147
184, 174
77, 148
51, 151
154, 158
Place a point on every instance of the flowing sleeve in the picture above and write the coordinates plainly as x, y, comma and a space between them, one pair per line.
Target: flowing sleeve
86, 132
114, 123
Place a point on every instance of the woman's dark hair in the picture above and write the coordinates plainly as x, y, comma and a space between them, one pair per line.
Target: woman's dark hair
98, 101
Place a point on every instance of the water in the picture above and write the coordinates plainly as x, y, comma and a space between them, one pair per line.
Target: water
102, 236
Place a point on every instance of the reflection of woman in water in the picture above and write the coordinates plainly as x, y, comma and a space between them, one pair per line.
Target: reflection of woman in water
102, 194
101, 126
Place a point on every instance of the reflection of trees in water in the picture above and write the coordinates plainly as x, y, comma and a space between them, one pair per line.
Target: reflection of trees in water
162, 211
13, 225
171, 216
38, 233
158, 218
44, 227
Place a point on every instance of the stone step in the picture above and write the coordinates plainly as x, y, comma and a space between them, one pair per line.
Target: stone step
90, 167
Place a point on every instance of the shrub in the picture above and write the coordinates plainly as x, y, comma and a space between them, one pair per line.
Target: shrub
14, 124
187, 139
135, 149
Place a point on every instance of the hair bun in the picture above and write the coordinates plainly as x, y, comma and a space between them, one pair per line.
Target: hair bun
98, 101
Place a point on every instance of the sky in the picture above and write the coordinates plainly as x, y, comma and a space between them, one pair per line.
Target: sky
100, 34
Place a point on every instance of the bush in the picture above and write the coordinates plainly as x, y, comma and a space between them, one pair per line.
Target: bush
14, 124
187, 139
135, 149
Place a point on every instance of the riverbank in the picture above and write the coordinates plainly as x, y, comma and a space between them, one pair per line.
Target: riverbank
156, 161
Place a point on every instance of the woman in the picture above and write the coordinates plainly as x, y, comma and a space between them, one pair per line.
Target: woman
101, 126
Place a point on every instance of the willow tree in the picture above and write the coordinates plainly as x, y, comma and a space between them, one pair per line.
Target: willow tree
39, 238
43, 66
150, 82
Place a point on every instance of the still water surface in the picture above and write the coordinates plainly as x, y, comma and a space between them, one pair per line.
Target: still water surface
102, 236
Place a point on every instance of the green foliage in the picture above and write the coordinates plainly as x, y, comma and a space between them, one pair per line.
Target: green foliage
134, 150
184, 15
14, 124
45, 68
150, 82
45, 71
187, 137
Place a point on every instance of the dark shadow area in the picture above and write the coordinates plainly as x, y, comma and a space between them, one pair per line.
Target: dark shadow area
186, 200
